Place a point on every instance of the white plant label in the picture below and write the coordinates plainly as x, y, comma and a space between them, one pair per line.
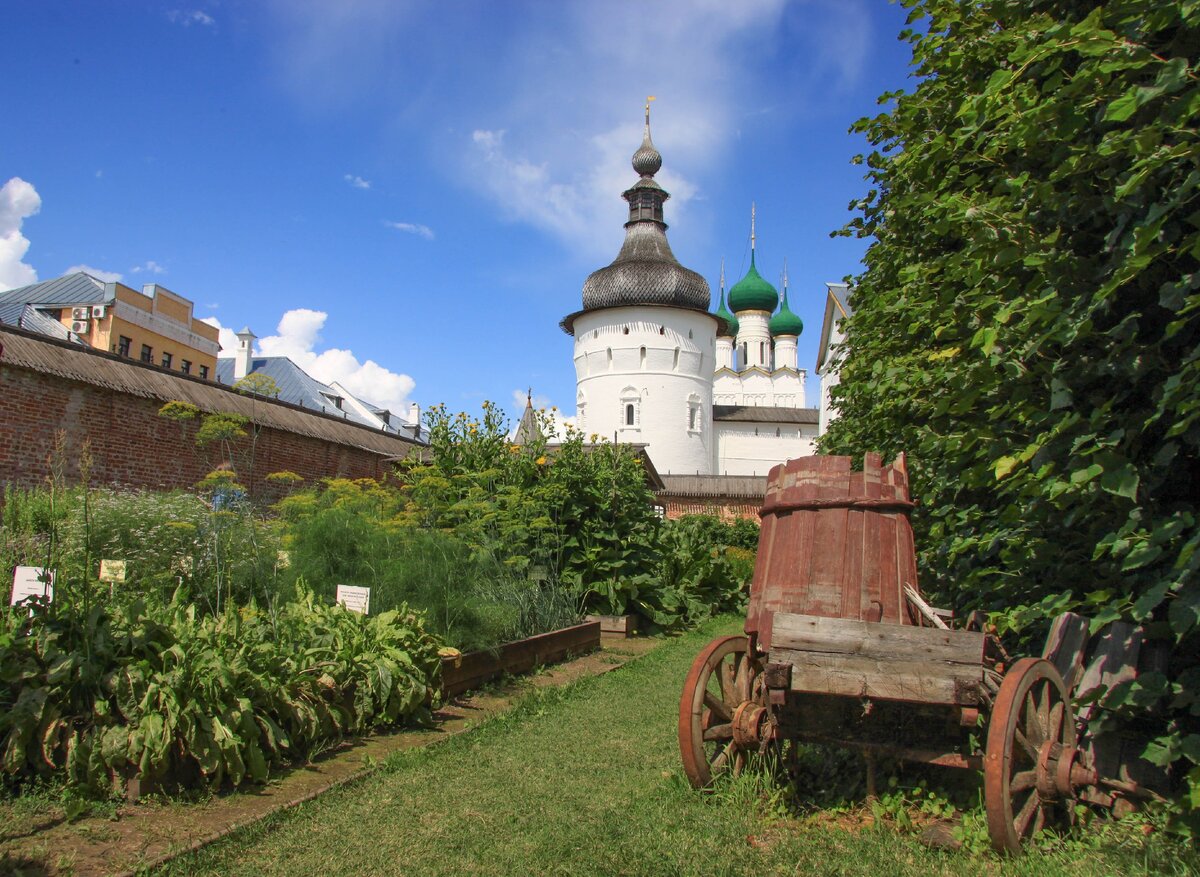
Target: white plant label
112, 571
32, 581
354, 598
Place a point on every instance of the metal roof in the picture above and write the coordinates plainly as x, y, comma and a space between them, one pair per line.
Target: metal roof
715, 486
44, 324
300, 388
70, 289
22, 349
764, 414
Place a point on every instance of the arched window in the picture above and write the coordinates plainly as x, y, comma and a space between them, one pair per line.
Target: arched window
581, 411
675, 364
642, 358
631, 409
610, 359
695, 418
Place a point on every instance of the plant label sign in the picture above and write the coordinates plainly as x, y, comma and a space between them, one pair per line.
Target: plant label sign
354, 598
112, 571
32, 581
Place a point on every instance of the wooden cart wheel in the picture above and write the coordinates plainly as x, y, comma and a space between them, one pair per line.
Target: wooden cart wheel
1031, 762
722, 713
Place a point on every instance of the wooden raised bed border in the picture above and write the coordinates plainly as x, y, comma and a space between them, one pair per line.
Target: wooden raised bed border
622, 625
473, 669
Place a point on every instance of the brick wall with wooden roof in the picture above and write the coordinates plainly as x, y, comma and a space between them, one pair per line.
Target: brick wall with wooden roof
49, 387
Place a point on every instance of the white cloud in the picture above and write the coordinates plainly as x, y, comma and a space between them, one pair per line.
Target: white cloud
18, 201
298, 336
701, 58
150, 267
357, 181
543, 121
188, 17
412, 228
98, 273
227, 338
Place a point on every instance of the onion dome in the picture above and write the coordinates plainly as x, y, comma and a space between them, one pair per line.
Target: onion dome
731, 322
753, 293
785, 322
645, 271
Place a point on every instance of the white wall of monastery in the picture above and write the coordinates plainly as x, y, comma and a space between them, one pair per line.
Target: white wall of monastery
780, 389
753, 449
661, 362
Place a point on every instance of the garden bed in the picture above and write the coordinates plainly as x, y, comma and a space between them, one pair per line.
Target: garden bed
464, 672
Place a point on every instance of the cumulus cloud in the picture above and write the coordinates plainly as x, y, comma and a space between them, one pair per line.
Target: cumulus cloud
188, 17
149, 267
18, 201
298, 337
412, 228
227, 338
98, 273
357, 181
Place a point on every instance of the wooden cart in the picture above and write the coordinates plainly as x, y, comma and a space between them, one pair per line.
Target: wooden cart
840, 648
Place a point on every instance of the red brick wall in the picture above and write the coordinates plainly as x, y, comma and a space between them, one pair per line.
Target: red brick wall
131, 446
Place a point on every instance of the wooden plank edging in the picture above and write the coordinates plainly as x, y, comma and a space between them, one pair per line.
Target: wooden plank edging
464, 672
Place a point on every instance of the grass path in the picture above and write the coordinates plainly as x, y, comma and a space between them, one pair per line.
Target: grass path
586, 781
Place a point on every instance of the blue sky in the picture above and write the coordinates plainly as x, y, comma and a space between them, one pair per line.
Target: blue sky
407, 196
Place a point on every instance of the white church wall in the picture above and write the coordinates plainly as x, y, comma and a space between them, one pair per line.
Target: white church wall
752, 449
644, 375
782, 389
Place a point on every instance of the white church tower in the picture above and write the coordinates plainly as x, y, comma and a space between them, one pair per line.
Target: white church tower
645, 343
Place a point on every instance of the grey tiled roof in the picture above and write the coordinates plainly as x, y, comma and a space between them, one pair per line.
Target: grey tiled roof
765, 414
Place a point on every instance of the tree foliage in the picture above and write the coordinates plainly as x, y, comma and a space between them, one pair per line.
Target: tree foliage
1027, 326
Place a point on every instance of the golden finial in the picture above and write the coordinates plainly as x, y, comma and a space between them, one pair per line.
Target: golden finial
751, 226
722, 274
648, 99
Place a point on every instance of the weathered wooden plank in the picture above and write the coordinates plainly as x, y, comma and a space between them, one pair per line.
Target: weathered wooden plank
928, 612
856, 675
468, 671
897, 642
1066, 645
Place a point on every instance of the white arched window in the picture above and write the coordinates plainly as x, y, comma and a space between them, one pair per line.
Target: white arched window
631, 409
695, 415
581, 411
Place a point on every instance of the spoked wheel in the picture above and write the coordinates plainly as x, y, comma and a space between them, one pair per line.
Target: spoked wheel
723, 715
1032, 766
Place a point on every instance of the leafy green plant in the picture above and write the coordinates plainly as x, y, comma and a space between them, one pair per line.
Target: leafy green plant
168, 694
1028, 324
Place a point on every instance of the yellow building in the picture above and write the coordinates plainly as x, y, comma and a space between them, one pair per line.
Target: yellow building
153, 325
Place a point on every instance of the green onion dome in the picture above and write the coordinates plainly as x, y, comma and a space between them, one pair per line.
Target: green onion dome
785, 322
752, 293
731, 322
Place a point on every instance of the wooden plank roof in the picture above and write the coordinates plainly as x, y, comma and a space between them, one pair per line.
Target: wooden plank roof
715, 486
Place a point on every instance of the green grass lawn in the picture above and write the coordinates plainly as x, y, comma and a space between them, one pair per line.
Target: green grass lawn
586, 781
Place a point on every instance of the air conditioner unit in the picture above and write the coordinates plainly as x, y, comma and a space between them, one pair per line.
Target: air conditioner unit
98, 312
81, 313
80, 327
